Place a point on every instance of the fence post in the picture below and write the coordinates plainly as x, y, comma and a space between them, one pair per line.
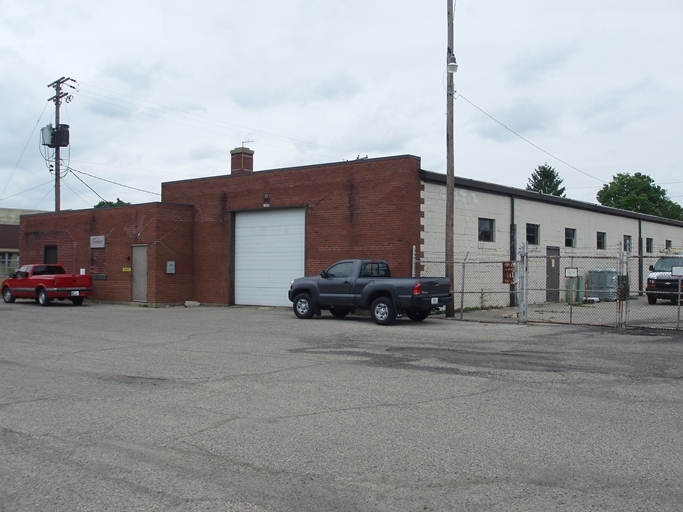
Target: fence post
619, 285
523, 284
462, 288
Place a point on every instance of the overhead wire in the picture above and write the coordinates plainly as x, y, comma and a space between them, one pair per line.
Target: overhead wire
2, 196
113, 182
164, 109
528, 141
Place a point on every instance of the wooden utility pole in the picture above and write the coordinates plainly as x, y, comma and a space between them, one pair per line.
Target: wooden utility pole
57, 98
450, 165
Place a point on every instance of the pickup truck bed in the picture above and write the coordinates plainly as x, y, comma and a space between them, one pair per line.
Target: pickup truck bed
354, 284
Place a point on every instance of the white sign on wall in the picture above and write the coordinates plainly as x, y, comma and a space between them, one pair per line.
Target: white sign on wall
97, 242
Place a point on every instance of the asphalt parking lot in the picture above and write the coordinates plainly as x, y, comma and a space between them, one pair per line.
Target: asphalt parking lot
106, 407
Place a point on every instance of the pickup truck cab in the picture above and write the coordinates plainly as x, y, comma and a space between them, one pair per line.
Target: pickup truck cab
354, 284
661, 283
44, 282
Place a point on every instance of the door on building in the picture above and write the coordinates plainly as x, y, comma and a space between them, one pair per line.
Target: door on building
139, 273
269, 254
552, 274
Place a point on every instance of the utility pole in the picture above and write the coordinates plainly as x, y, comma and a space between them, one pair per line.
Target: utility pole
450, 165
57, 98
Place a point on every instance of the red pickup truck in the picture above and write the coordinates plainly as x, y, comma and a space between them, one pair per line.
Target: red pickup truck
44, 282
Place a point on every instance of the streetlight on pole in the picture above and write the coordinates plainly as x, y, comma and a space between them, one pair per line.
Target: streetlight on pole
452, 67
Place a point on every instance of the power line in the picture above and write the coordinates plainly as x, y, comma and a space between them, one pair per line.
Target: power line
528, 141
113, 182
22, 154
164, 109
84, 183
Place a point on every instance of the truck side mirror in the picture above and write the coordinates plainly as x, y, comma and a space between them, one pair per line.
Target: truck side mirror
323, 274
12, 275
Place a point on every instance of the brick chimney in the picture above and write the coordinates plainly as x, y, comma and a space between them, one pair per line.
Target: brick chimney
241, 161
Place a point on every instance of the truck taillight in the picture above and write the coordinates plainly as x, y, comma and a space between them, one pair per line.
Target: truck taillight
417, 289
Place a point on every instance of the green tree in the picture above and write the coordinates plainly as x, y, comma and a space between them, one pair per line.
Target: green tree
638, 193
107, 204
546, 180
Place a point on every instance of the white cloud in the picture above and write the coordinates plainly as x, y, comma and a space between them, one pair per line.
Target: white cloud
167, 89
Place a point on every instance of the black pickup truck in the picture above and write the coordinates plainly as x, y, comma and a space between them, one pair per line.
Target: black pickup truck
354, 284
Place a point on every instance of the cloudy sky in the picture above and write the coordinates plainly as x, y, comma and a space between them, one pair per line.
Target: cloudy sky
164, 90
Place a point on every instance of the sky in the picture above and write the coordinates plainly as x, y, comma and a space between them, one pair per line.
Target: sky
163, 91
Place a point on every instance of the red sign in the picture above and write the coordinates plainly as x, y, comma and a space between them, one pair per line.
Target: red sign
508, 272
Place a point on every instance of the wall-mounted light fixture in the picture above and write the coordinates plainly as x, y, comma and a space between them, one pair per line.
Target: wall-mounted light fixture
266, 201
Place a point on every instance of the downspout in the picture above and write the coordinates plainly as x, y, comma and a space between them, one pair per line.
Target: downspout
513, 248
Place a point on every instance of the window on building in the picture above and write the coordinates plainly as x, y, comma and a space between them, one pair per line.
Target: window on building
50, 254
6, 263
486, 227
668, 244
602, 241
569, 237
649, 245
627, 243
533, 234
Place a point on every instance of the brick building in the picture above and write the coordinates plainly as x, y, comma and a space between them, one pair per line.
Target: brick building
9, 239
241, 238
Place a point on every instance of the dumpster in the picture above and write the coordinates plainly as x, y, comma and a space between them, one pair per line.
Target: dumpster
602, 284
575, 290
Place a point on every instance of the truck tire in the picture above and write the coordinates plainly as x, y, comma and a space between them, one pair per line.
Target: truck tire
651, 299
417, 315
7, 295
77, 301
339, 312
303, 306
382, 311
43, 299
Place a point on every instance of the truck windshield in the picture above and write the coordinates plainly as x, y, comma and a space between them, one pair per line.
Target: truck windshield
665, 264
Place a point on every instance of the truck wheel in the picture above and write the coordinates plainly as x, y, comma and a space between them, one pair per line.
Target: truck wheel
651, 299
303, 307
339, 312
382, 311
77, 301
43, 299
7, 295
417, 315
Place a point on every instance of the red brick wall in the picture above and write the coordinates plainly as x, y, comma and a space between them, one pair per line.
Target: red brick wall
357, 209
361, 208
165, 228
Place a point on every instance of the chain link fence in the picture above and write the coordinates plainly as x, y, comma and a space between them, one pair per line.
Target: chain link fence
556, 287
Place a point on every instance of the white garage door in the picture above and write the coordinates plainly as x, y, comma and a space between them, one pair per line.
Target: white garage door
269, 253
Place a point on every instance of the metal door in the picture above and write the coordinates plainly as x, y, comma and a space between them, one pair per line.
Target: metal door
139, 276
552, 274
